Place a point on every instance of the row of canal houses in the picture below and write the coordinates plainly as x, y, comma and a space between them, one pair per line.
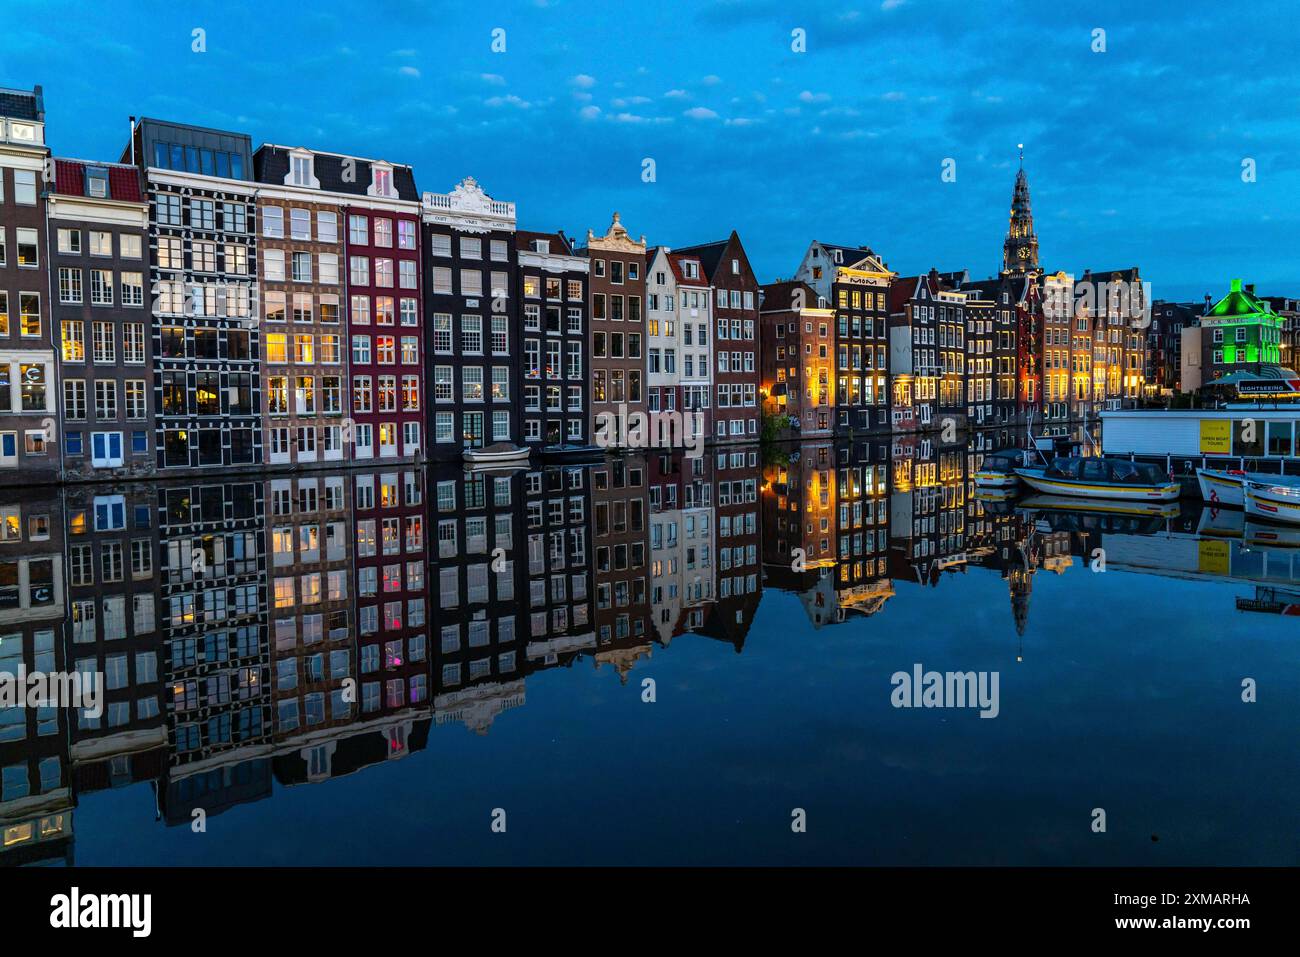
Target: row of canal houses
201, 304
848, 346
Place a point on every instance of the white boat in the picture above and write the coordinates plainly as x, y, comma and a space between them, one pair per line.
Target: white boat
1096, 477
1276, 499
1222, 488
499, 454
998, 470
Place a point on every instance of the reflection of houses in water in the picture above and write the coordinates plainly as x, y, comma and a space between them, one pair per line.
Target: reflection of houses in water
310, 553
36, 798
480, 522
667, 545
927, 521
234, 600
557, 510
477, 707
392, 590
619, 537
113, 629
735, 494
347, 750
622, 659
214, 585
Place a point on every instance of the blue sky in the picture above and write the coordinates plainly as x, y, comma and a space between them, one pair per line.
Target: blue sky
1134, 155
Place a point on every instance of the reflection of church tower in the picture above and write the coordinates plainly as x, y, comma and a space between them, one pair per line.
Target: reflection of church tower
1021, 583
1020, 251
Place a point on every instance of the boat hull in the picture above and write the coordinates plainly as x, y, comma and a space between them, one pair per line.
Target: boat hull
1220, 488
996, 480
1273, 503
504, 457
1102, 491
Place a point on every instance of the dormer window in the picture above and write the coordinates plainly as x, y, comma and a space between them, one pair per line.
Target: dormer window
541, 246
839, 256
302, 170
691, 269
381, 180
97, 183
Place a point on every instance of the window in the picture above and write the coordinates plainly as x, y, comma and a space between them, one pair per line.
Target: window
24, 186
273, 222
69, 284
327, 227
101, 287
28, 254
132, 289
471, 334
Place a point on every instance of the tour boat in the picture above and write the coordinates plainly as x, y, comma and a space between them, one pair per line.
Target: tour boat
1095, 477
1222, 488
502, 453
998, 471
1276, 499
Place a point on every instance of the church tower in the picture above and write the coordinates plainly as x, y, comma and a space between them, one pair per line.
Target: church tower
1020, 251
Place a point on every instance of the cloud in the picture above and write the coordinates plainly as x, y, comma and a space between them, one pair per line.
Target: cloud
508, 100
496, 79
676, 94
700, 113
808, 96
589, 112
583, 81
409, 71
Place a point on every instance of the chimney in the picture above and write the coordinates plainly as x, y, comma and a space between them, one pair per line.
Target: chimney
39, 93
1250, 288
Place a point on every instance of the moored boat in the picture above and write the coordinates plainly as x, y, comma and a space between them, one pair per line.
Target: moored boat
500, 454
998, 470
1222, 488
1274, 499
573, 453
1101, 478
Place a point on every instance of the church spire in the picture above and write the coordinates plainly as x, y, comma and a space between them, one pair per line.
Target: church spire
1020, 251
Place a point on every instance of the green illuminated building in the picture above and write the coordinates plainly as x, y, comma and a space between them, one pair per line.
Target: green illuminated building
1240, 333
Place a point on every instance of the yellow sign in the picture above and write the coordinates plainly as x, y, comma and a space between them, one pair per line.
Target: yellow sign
1216, 436
1213, 557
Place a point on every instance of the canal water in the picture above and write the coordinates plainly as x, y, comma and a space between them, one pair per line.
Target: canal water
648, 660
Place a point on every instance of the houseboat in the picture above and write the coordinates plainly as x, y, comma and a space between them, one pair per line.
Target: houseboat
1101, 478
1241, 437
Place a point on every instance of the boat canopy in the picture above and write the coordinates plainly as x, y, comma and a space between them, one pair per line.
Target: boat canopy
1097, 469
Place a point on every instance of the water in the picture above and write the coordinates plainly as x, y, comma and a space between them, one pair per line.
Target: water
1118, 689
